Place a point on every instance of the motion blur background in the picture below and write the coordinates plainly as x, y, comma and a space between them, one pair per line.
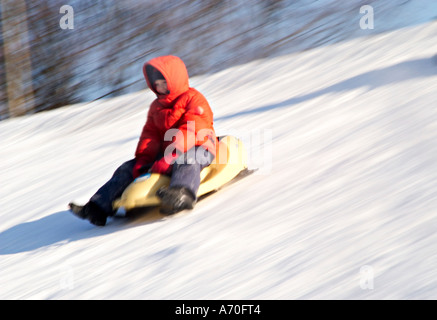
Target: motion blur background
43, 66
339, 119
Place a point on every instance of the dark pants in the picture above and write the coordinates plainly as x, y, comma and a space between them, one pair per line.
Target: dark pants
185, 173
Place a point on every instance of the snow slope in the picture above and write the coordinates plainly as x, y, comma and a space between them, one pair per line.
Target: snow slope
343, 207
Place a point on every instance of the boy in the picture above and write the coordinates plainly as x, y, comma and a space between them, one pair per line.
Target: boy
169, 144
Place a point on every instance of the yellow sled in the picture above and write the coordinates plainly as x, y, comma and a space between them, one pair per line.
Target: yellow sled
231, 160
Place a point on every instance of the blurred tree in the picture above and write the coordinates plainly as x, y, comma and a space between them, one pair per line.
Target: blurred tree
16, 56
43, 66
51, 54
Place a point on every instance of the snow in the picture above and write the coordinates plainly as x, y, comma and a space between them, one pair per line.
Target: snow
343, 206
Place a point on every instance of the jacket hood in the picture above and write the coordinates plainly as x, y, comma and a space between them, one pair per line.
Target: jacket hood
174, 71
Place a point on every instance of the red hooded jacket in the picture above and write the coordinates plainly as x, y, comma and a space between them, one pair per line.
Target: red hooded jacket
176, 121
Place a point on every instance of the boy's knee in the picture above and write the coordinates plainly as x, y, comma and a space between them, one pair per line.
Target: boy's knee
196, 155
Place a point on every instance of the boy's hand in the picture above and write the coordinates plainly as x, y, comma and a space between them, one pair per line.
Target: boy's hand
164, 165
161, 167
139, 169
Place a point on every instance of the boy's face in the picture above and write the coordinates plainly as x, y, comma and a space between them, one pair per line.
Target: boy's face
161, 86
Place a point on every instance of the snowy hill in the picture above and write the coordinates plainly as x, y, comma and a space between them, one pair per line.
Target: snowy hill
343, 207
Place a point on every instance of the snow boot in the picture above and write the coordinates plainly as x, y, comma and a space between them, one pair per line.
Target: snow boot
175, 199
93, 213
